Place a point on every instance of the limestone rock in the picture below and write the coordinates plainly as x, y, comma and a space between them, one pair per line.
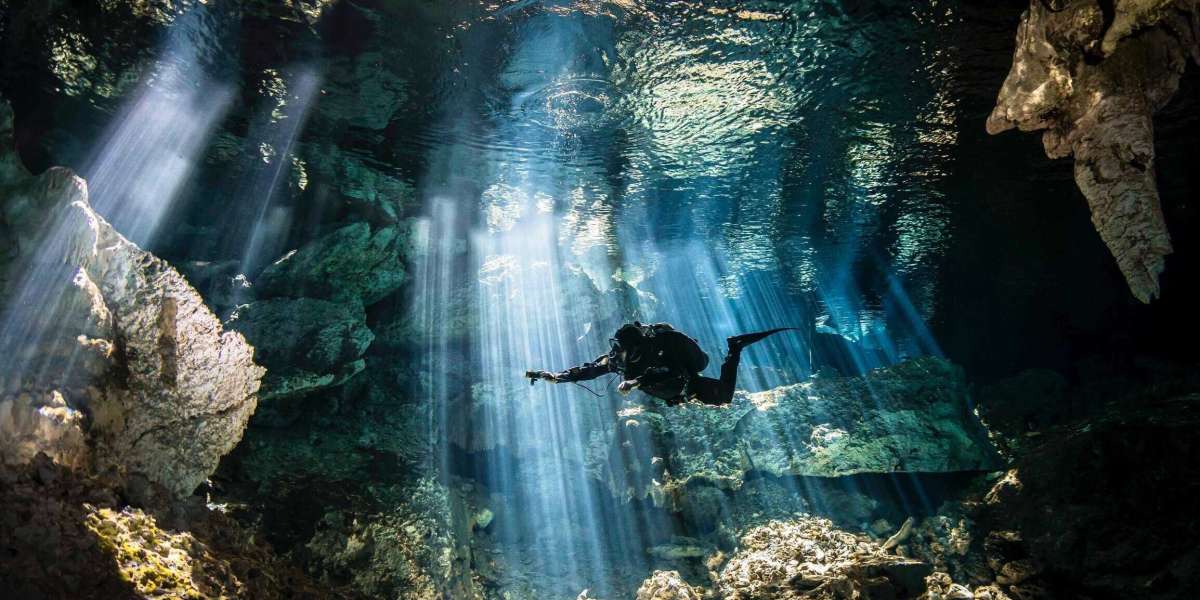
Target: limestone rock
1094, 82
350, 264
32, 424
808, 557
408, 552
910, 417
120, 334
667, 585
189, 387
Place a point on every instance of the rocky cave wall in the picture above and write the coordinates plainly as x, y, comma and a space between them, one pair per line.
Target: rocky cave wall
116, 362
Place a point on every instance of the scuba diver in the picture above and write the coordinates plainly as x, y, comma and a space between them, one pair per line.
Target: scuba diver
663, 362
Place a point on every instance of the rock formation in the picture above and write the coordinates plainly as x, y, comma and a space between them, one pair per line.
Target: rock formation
1078, 513
809, 558
306, 344
911, 417
1092, 74
96, 326
667, 585
63, 535
352, 263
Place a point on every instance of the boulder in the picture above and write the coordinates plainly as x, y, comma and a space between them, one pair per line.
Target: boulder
667, 585
1092, 74
304, 333
371, 189
912, 417
808, 557
120, 335
352, 264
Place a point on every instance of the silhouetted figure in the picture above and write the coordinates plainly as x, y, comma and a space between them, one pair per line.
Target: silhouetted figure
662, 362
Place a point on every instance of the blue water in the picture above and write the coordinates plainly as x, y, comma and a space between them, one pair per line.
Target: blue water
722, 166
724, 169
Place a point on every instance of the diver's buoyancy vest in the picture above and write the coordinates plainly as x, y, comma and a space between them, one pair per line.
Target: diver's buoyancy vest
687, 350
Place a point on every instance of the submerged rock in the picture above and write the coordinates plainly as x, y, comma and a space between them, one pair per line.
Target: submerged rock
1120, 485
1093, 74
351, 264
409, 551
119, 334
375, 193
315, 335
911, 417
667, 585
306, 344
809, 558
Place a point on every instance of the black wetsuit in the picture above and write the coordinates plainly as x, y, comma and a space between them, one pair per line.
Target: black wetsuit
663, 362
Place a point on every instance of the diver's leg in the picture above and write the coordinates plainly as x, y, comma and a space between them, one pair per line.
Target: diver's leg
706, 390
728, 381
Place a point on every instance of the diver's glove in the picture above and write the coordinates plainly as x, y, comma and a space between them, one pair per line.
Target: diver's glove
628, 386
536, 375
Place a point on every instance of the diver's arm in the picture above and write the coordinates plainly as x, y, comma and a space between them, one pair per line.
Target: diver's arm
586, 371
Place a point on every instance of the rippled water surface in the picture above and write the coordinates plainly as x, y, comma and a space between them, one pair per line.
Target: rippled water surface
809, 140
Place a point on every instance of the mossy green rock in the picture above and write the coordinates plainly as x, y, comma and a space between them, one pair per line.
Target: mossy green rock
350, 264
908, 418
305, 333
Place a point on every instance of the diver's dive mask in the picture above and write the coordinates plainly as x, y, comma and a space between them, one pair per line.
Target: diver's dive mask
616, 353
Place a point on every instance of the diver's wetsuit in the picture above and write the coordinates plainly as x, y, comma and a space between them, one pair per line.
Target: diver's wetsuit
662, 361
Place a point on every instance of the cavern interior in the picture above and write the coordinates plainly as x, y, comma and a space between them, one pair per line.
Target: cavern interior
477, 299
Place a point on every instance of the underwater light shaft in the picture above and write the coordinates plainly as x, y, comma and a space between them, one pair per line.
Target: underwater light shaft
278, 128
155, 143
133, 178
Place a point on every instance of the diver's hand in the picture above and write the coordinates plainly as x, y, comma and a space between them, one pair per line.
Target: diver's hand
628, 386
536, 375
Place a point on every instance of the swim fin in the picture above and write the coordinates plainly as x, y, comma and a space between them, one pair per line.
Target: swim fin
738, 342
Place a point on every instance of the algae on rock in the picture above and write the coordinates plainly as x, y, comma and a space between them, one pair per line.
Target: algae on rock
350, 264
911, 417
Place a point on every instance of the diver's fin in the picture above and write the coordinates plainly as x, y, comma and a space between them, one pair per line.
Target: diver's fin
738, 342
